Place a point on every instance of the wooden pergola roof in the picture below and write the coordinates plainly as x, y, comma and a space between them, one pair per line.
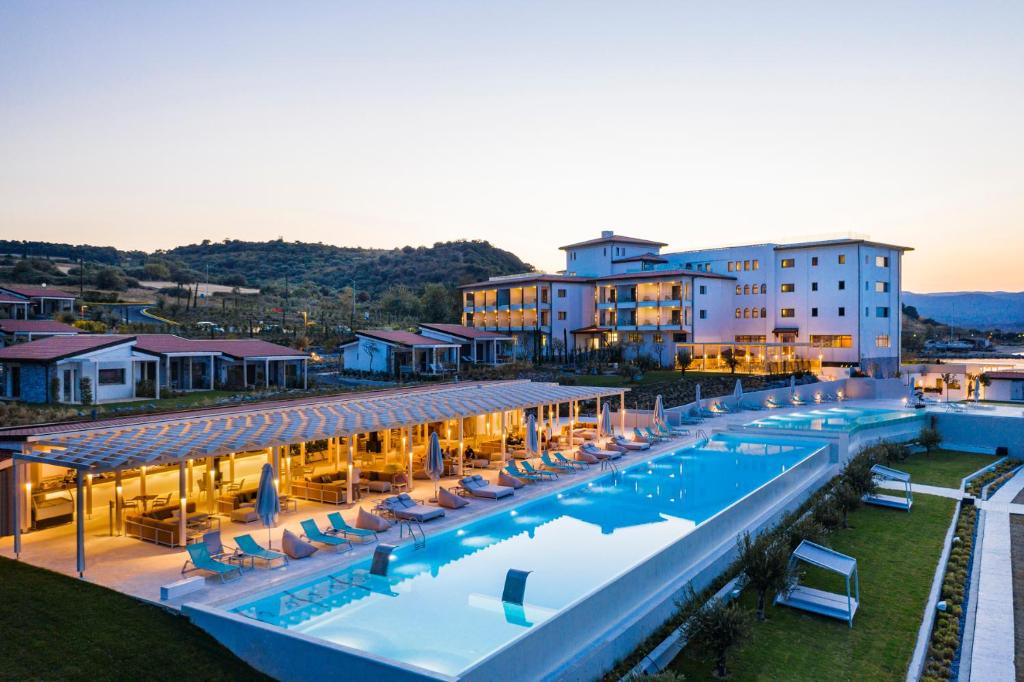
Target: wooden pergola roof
163, 439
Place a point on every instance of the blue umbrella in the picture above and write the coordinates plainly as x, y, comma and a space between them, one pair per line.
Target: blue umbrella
659, 410
267, 504
435, 461
606, 421
531, 435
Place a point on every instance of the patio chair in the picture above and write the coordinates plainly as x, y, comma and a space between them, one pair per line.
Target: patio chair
514, 470
753, 407
651, 435
599, 453
200, 559
213, 543
678, 431
400, 483
405, 508
630, 444
160, 501
552, 465
640, 437
247, 545
313, 533
234, 487
528, 468
562, 459
477, 486
339, 526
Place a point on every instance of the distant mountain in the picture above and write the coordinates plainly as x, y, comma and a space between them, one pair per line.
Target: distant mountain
978, 309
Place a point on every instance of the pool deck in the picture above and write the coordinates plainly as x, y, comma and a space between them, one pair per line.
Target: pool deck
140, 568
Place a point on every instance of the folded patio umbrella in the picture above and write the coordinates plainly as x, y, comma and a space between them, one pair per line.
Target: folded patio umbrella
531, 435
659, 410
435, 461
606, 421
738, 391
697, 402
267, 503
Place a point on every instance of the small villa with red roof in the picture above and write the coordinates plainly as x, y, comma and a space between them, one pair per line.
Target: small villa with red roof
23, 301
395, 352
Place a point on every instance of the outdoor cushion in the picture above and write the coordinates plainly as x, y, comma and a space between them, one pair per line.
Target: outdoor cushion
369, 521
509, 480
244, 514
450, 500
296, 547
586, 457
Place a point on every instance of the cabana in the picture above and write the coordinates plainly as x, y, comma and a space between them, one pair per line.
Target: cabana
818, 601
897, 502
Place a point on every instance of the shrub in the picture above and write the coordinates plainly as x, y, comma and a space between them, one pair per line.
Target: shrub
716, 628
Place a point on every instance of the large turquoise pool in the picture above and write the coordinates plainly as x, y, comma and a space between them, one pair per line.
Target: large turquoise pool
835, 419
441, 607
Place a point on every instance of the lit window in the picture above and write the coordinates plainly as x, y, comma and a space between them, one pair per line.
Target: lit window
746, 289
739, 290
882, 287
746, 313
883, 341
787, 312
561, 314
739, 313
788, 288
757, 264
757, 313
730, 266
746, 265
787, 263
881, 261
842, 259
658, 338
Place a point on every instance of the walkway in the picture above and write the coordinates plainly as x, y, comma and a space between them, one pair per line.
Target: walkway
993, 652
952, 493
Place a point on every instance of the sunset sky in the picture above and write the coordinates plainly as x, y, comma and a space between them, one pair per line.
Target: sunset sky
529, 124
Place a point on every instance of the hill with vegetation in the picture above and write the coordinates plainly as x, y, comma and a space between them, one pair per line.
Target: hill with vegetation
978, 309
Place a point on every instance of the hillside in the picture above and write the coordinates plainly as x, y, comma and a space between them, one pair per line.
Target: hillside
261, 264
978, 309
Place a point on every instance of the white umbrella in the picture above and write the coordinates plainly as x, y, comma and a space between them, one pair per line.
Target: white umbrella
531, 435
737, 392
659, 410
435, 461
606, 421
696, 401
977, 389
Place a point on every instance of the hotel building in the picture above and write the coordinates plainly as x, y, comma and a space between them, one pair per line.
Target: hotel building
774, 307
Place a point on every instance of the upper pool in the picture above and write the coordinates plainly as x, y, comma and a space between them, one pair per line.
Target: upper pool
442, 609
834, 419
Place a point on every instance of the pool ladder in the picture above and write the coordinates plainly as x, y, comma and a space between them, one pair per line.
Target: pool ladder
608, 465
419, 538
702, 437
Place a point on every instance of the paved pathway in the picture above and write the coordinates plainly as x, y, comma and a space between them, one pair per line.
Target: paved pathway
952, 493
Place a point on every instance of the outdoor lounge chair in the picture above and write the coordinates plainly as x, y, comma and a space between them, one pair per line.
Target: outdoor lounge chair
690, 419
675, 431
599, 453
562, 459
771, 403
513, 469
753, 407
199, 557
477, 486
631, 444
552, 465
720, 409
528, 468
639, 437
313, 533
247, 545
797, 400
339, 526
405, 508
657, 436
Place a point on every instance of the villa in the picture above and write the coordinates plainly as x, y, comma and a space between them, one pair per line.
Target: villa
19, 330
23, 301
128, 367
775, 307
396, 352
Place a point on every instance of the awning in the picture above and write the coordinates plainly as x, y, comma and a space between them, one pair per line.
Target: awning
592, 329
163, 439
786, 330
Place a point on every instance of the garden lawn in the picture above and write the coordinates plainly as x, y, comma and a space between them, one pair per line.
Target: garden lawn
60, 628
897, 554
654, 376
943, 468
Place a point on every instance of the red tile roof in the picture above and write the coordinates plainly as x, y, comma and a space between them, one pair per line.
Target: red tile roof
59, 347
401, 338
463, 331
1006, 374
37, 327
11, 298
647, 274
169, 343
525, 278
613, 238
236, 348
36, 291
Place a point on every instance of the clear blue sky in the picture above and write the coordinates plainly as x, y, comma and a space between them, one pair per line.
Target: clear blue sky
147, 125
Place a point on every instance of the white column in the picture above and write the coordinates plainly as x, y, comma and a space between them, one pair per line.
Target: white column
622, 412
245, 374
16, 496
142, 481
80, 523
305, 375
407, 439
182, 504
504, 434
266, 373
231, 467
88, 494
348, 481
118, 500
209, 485
462, 445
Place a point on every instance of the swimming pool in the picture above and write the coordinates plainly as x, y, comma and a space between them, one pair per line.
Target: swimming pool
846, 419
441, 611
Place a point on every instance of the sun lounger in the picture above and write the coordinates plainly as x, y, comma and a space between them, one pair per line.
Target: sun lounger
575, 463
599, 453
477, 486
404, 507
753, 407
673, 430
528, 468
631, 444
248, 546
313, 533
797, 400
199, 557
652, 436
640, 437
514, 470
552, 465
339, 526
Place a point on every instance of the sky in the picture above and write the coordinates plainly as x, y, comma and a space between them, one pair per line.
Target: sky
146, 125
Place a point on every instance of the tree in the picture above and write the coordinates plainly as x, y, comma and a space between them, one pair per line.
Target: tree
437, 303
947, 380
109, 278
85, 389
765, 562
683, 360
715, 629
731, 361
929, 439
847, 498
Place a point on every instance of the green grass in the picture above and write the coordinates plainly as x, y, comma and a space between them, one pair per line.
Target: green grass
897, 554
943, 468
656, 376
59, 628
176, 403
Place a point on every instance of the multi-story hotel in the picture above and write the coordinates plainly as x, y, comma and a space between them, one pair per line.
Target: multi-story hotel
772, 306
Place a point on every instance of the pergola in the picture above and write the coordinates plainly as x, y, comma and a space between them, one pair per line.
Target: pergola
146, 441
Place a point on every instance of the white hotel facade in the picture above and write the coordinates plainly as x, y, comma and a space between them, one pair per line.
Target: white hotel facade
777, 307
